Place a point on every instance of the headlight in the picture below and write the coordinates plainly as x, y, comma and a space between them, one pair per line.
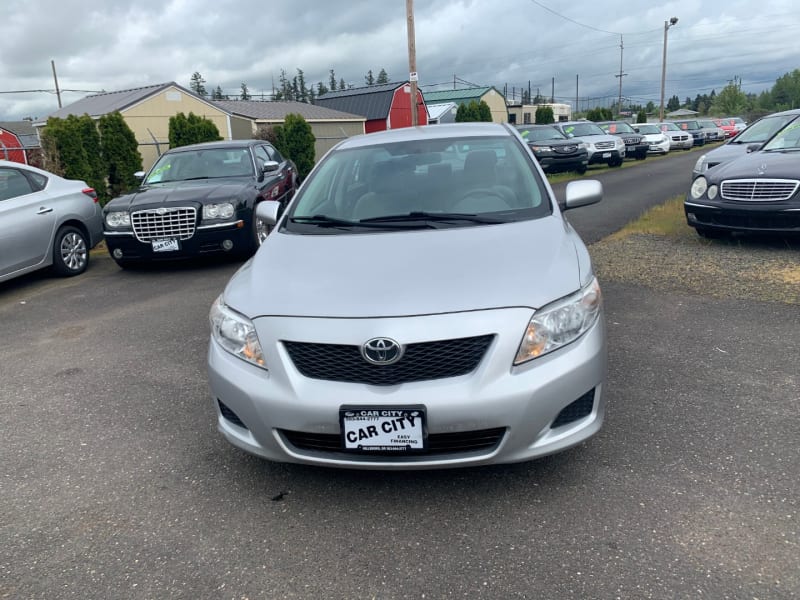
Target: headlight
712, 192
701, 166
583, 146
619, 143
542, 148
235, 333
699, 187
118, 219
560, 323
224, 210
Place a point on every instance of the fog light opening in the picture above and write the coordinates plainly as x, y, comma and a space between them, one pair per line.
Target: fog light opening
227, 245
117, 253
691, 216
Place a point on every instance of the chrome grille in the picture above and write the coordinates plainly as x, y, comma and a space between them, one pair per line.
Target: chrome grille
162, 223
759, 190
605, 145
565, 149
630, 141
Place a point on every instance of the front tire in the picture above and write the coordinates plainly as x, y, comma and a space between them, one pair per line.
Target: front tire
615, 162
70, 252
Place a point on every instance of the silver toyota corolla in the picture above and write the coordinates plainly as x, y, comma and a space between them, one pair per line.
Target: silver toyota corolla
422, 303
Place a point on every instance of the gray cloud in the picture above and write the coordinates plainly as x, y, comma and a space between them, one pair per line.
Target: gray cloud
118, 44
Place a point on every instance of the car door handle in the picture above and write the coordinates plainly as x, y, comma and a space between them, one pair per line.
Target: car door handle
44, 210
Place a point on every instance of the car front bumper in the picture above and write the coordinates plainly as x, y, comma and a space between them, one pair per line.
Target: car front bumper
773, 217
264, 412
205, 240
659, 147
555, 162
605, 156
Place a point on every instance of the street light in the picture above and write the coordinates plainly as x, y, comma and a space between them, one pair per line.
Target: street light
667, 25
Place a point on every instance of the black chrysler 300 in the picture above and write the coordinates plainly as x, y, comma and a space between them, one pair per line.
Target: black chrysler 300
758, 192
198, 200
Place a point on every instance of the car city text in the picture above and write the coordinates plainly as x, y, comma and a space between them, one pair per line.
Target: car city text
392, 425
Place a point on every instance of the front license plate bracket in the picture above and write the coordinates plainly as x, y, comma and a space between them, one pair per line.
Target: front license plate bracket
383, 429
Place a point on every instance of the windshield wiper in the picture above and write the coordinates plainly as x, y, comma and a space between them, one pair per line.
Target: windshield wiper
440, 217
326, 221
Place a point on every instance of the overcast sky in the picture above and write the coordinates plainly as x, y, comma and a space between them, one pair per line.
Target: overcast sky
121, 44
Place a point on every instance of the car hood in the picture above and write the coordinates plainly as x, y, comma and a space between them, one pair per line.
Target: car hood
758, 165
528, 263
725, 153
180, 192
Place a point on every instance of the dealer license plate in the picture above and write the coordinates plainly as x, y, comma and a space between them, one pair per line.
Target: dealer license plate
165, 245
606, 154
381, 429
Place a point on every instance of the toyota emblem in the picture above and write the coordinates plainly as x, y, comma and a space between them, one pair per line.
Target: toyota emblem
381, 351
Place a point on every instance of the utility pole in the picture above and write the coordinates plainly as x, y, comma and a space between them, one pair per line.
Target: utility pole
553, 91
55, 78
667, 25
412, 61
577, 107
621, 75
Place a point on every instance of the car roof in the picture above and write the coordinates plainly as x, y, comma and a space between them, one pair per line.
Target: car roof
425, 132
219, 144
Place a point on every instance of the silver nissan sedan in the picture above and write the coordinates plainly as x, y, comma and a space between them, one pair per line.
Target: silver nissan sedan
422, 303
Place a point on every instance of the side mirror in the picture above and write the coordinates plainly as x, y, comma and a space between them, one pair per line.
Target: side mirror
139, 175
270, 166
267, 211
582, 193
753, 148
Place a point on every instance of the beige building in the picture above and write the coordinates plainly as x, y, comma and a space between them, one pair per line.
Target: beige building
524, 114
147, 111
495, 100
328, 126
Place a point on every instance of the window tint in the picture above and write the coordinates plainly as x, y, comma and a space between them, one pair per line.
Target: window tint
13, 184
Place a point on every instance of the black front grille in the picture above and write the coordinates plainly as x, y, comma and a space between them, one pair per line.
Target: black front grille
420, 362
582, 407
483, 440
565, 149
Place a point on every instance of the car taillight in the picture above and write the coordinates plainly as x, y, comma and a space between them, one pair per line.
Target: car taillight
91, 193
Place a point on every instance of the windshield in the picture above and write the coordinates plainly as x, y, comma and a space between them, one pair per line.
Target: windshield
644, 128
763, 129
786, 138
686, 125
582, 129
538, 134
204, 163
669, 127
420, 183
618, 127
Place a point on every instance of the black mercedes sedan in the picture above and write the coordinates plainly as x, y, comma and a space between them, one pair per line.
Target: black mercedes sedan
757, 192
553, 150
198, 200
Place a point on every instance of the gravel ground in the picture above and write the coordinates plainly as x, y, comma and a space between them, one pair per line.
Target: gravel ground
742, 267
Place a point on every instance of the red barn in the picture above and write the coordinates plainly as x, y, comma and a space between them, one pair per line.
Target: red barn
385, 106
17, 140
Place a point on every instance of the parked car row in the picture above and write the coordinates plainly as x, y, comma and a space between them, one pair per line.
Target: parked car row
751, 183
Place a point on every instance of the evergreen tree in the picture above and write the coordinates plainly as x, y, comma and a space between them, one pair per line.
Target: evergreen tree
295, 89
641, 117
382, 77
86, 128
332, 81
193, 129
321, 89
544, 114
245, 93
650, 108
217, 94
673, 103
197, 84
368, 78
301, 86
120, 152
342, 85
64, 149
730, 101
295, 140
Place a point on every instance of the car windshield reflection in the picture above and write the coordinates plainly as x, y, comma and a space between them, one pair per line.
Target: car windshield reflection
210, 163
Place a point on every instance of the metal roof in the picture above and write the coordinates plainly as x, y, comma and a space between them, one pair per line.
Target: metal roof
24, 131
277, 111
440, 112
98, 105
372, 102
459, 96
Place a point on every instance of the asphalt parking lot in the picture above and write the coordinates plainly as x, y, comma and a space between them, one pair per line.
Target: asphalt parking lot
116, 484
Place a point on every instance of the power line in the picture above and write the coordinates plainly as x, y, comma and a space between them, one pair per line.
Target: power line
566, 18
